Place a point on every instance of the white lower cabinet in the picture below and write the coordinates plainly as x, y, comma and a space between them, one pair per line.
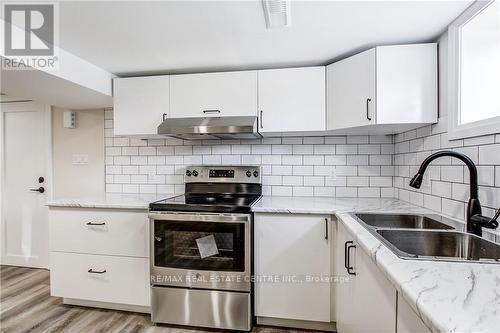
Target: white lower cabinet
122, 280
100, 255
289, 248
366, 302
408, 321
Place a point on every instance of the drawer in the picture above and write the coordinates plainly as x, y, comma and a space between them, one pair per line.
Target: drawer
124, 280
99, 231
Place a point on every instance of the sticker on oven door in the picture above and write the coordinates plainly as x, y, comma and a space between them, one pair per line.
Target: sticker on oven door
207, 246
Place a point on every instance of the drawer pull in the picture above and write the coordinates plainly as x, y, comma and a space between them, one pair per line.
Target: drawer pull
96, 272
211, 111
96, 224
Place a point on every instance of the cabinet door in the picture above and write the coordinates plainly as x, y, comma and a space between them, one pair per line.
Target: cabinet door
139, 104
292, 100
345, 306
351, 91
288, 247
408, 321
367, 301
214, 94
374, 297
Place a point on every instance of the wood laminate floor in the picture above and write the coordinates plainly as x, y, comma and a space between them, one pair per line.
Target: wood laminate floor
26, 306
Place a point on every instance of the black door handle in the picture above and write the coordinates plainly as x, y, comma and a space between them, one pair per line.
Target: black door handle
368, 100
349, 267
346, 253
40, 189
326, 228
261, 117
211, 111
96, 272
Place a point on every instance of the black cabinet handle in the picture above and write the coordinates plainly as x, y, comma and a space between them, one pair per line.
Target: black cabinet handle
261, 117
96, 272
93, 223
164, 116
349, 267
346, 253
211, 111
326, 228
368, 100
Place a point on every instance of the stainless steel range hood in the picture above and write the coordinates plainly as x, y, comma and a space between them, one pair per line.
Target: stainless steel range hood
210, 128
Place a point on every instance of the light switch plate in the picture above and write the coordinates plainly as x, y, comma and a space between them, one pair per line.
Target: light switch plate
80, 159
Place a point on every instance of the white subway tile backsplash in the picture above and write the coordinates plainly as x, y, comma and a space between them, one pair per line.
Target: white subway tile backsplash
216, 159
304, 170
303, 191
314, 160
358, 181
261, 149
324, 149
314, 181
381, 181
303, 149
346, 149
357, 139
452, 173
239, 149
282, 190
282, 170
335, 140
291, 140
293, 180
346, 192
449, 191
291, 160
369, 192
282, 149
344, 166
489, 154
313, 140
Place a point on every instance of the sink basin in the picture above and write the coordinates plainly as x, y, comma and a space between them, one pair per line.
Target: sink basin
404, 221
439, 245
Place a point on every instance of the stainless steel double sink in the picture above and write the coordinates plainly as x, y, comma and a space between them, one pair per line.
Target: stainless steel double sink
424, 237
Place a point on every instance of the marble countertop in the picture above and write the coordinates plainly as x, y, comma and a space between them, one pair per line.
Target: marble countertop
449, 297
110, 200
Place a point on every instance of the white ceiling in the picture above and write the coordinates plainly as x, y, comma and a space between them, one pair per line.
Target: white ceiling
137, 37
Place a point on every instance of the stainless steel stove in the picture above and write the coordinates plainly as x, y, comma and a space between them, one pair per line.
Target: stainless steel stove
201, 249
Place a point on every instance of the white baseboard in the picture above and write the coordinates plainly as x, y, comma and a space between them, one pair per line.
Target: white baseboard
106, 305
303, 324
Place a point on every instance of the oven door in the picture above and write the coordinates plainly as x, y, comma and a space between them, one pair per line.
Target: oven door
201, 250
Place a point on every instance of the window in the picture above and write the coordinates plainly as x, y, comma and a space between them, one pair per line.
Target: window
474, 75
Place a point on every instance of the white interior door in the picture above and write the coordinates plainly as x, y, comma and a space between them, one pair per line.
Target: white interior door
25, 147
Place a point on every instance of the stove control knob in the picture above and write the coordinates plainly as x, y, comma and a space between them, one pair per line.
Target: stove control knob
248, 173
188, 173
195, 173
256, 173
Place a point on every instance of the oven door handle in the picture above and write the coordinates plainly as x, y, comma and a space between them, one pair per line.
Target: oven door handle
225, 218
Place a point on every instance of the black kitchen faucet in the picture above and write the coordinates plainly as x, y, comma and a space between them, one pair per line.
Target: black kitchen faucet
475, 221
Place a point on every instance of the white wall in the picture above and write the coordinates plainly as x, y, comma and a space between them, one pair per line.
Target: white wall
87, 138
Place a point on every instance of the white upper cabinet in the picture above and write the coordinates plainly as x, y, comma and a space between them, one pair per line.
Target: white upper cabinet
351, 91
213, 94
292, 100
139, 104
386, 85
